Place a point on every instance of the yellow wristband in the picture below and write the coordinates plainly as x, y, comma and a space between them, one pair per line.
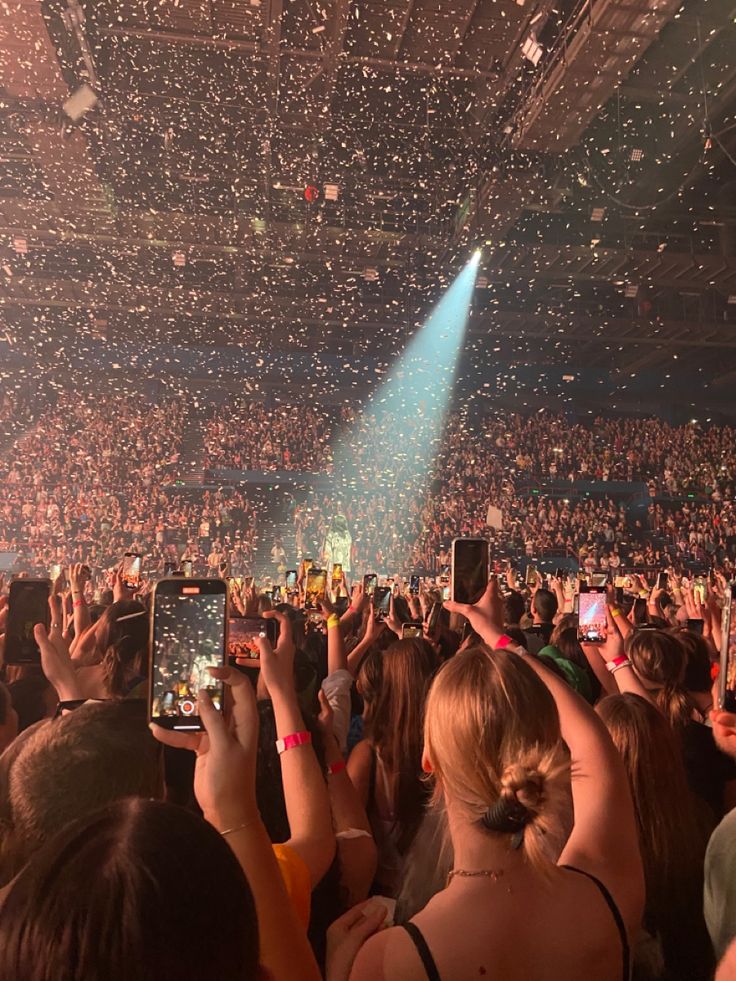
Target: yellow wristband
333, 621
615, 612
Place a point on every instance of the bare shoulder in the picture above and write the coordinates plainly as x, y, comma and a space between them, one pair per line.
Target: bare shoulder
361, 756
387, 956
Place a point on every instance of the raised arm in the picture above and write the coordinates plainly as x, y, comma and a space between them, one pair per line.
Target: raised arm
604, 839
224, 784
305, 793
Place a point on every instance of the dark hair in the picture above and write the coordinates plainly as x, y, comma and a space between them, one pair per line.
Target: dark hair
544, 604
124, 640
5, 703
137, 891
672, 840
29, 695
697, 668
394, 685
514, 607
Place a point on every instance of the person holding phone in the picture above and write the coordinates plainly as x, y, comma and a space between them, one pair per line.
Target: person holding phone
522, 891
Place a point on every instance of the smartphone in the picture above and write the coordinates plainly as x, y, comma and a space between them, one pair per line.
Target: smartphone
336, 575
414, 582
592, 614
699, 589
469, 569
662, 580
131, 571
531, 576
55, 572
307, 564
277, 595
316, 588
382, 601
727, 673
695, 625
559, 573
186, 568
242, 636
291, 579
412, 629
434, 618
370, 582
28, 604
188, 635
169, 568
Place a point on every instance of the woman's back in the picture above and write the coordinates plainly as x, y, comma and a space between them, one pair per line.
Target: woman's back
518, 927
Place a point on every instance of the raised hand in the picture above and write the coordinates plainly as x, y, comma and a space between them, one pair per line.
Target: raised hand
225, 771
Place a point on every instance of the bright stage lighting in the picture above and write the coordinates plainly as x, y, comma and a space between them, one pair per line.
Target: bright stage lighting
390, 450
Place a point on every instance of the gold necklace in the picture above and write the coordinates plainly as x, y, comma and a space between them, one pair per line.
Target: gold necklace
493, 874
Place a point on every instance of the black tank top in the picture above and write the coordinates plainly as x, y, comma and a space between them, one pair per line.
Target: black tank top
430, 968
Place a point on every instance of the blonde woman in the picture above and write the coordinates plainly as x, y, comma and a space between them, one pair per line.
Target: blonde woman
494, 730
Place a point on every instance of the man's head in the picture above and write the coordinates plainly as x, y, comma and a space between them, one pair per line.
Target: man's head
69, 767
513, 608
544, 606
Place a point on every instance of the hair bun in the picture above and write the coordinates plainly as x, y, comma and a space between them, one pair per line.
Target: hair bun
524, 785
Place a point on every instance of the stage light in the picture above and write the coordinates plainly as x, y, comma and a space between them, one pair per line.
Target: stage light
390, 449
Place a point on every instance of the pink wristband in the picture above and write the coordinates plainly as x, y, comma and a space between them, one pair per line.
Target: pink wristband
79, 602
338, 767
295, 739
503, 641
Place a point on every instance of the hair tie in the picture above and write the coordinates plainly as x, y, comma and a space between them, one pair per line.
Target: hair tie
508, 816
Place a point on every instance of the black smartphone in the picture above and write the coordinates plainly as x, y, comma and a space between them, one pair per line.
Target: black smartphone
336, 575
169, 568
382, 601
727, 674
559, 573
695, 625
188, 635
242, 638
412, 629
619, 594
469, 569
315, 588
434, 618
414, 582
370, 581
662, 581
131, 571
291, 580
592, 614
532, 576
186, 568
28, 604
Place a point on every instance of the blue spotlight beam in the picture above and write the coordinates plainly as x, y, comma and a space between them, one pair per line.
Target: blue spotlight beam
392, 446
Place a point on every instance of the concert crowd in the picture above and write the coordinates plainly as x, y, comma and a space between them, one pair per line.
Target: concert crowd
375, 780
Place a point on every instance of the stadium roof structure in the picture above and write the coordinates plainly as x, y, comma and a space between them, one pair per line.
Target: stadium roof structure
307, 174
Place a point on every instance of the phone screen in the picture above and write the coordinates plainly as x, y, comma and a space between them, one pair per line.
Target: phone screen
242, 636
469, 569
382, 601
592, 616
727, 675
414, 582
28, 605
412, 630
188, 636
370, 582
131, 574
531, 575
662, 580
291, 580
169, 568
186, 568
316, 588
337, 572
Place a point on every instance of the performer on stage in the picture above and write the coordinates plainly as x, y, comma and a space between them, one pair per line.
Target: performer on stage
338, 544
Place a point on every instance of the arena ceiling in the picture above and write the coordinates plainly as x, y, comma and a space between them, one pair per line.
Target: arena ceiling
589, 146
